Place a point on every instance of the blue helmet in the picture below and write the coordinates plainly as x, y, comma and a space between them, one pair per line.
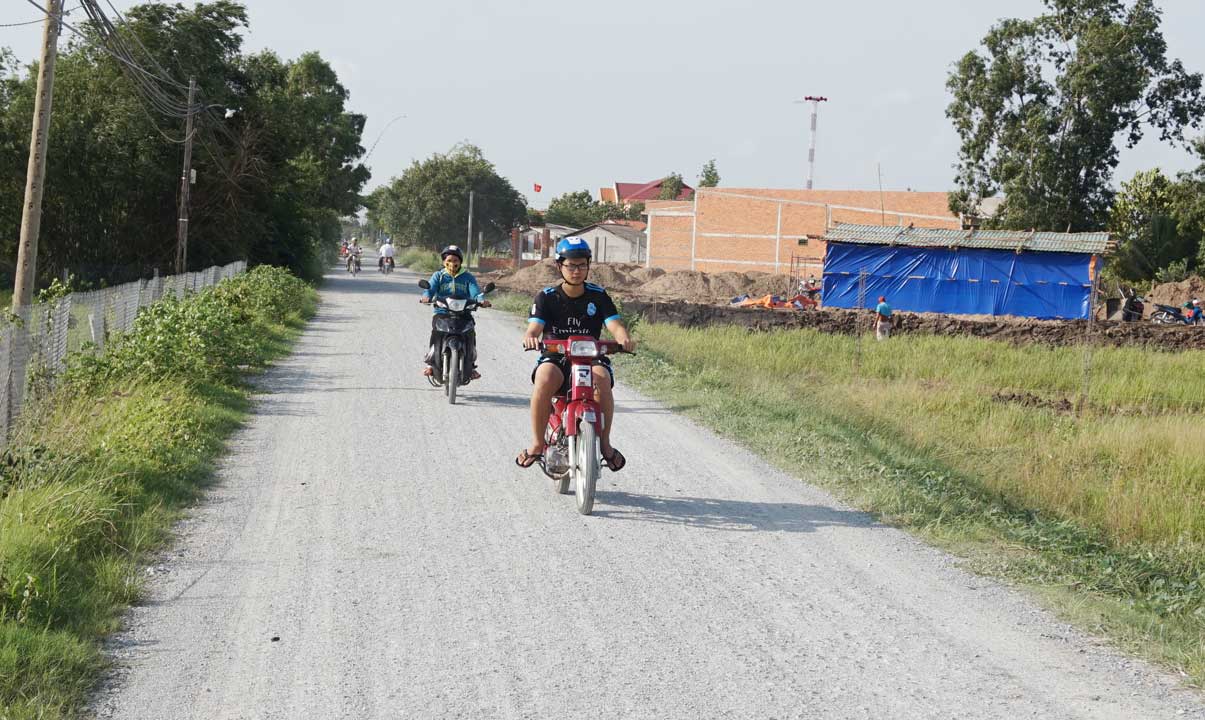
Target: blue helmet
572, 246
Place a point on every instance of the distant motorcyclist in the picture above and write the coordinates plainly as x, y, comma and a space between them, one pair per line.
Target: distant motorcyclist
353, 254
452, 281
386, 251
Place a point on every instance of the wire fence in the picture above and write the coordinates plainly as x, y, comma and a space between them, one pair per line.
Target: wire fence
35, 345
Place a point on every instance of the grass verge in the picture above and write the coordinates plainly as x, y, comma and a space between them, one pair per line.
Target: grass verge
420, 260
971, 444
96, 474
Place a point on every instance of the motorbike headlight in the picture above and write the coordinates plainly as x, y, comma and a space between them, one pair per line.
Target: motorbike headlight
583, 348
456, 304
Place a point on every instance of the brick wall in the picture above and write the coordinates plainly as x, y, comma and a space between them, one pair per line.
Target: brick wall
760, 229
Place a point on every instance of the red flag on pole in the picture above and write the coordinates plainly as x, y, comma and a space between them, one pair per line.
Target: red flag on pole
536, 186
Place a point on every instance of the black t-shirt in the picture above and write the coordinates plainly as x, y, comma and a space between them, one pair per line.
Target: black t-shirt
563, 316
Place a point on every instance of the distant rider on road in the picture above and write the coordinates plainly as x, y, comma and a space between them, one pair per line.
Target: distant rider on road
386, 251
452, 281
574, 307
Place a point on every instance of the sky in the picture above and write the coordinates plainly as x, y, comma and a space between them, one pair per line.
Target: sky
575, 95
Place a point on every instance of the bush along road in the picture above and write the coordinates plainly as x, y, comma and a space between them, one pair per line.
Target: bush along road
98, 470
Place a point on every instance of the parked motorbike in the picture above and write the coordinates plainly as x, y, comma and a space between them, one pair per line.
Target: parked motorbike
572, 451
386, 265
1169, 315
450, 359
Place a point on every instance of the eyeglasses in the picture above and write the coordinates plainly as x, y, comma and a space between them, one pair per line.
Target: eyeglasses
576, 268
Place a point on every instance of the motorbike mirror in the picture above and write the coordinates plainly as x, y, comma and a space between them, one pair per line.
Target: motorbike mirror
424, 284
490, 287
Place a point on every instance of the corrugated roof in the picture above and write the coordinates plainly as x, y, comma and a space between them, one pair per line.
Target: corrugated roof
1094, 243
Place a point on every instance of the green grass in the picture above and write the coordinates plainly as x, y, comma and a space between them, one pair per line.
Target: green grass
511, 302
1105, 512
419, 259
93, 480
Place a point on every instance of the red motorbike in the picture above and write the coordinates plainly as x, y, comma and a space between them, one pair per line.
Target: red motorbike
572, 450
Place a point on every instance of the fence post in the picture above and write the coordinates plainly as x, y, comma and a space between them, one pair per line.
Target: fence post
858, 321
1086, 381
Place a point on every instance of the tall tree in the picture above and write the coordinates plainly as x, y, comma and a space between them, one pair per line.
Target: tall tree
1144, 220
579, 209
1039, 111
710, 177
429, 204
574, 209
671, 187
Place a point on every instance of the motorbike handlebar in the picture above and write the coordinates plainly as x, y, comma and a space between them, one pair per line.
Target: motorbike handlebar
611, 346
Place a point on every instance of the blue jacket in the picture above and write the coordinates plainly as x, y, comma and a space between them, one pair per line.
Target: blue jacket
444, 285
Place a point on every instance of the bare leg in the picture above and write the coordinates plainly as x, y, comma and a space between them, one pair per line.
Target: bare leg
548, 381
602, 393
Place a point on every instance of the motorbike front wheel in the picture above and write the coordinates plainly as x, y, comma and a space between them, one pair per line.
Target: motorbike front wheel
452, 373
585, 467
1163, 317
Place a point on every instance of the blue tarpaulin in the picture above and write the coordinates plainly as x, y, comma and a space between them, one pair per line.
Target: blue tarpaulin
960, 281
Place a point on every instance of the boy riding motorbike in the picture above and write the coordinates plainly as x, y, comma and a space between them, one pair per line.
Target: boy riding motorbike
452, 281
574, 307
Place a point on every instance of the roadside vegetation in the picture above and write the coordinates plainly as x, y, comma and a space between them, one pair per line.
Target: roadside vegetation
976, 445
419, 259
277, 157
96, 473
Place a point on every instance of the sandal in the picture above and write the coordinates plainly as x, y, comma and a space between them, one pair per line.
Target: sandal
526, 459
616, 462
475, 376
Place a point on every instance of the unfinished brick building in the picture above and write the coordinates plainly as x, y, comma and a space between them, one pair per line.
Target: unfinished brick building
774, 230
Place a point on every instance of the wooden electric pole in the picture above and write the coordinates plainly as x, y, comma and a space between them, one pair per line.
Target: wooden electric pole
31, 213
185, 184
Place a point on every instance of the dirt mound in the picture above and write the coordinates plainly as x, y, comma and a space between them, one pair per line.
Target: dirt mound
647, 275
849, 322
616, 277
695, 286
1176, 293
532, 279
619, 278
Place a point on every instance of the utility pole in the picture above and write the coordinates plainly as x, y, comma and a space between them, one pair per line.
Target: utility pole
185, 184
882, 208
31, 213
468, 250
815, 100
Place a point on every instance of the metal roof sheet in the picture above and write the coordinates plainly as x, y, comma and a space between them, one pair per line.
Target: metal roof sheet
1094, 243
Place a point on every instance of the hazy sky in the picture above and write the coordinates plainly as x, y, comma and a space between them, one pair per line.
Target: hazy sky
576, 95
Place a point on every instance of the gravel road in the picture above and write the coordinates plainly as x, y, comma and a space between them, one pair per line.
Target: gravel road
372, 552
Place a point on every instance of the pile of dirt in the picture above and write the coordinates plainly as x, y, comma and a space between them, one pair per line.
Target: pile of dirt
629, 280
849, 322
701, 287
618, 278
1177, 293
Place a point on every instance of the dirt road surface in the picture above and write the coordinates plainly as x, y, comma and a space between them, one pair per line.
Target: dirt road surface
371, 552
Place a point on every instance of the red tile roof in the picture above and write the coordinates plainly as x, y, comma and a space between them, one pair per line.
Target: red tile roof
635, 192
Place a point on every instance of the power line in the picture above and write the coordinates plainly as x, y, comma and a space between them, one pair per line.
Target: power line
41, 19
